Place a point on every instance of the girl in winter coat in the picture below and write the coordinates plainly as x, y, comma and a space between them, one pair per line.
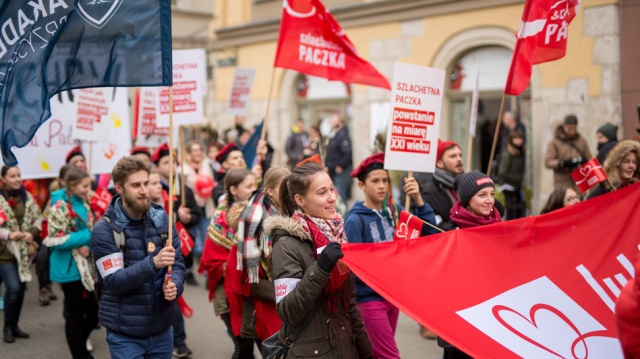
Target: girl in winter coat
248, 274
621, 167
20, 221
70, 223
306, 250
239, 185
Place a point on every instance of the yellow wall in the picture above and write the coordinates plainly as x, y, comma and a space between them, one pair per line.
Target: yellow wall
437, 31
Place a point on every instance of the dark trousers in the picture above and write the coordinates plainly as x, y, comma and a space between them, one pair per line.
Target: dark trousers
515, 205
179, 334
226, 318
81, 316
14, 293
42, 267
246, 347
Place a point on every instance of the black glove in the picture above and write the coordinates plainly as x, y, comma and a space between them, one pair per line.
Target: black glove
569, 163
330, 256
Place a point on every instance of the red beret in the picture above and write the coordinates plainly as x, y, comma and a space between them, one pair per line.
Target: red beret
315, 159
160, 152
139, 149
224, 152
371, 163
443, 146
74, 152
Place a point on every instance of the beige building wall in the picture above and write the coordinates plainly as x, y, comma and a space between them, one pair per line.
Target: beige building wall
585, 82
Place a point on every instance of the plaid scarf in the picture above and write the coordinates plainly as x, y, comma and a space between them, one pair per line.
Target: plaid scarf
253, 243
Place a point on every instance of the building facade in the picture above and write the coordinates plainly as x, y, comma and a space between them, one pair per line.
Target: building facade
458, 36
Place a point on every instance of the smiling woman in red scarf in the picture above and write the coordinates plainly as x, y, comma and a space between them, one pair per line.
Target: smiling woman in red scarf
307, 274
474, 208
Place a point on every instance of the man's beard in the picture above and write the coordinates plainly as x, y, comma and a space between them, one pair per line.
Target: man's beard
132, 203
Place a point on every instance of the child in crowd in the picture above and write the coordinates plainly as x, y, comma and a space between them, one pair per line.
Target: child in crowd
374, 221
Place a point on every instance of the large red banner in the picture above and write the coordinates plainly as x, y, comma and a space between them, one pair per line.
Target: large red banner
312, 42
537, 287
542, 37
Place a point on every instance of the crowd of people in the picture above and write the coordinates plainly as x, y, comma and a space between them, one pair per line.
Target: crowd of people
267, 238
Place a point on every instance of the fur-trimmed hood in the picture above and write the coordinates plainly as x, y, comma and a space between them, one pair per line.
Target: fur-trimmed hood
276, 226
614, 160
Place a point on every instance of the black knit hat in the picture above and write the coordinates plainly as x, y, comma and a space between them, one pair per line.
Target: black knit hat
468, 184
609, 131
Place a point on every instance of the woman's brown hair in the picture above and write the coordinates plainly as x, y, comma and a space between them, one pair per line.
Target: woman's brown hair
297, 183
233, 178
555, 200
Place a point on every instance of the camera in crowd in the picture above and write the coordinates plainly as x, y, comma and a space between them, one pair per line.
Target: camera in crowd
572, 163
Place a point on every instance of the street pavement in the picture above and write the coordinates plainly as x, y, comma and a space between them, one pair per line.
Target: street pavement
206, 335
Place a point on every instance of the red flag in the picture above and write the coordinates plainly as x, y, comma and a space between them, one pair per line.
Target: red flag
589, 175
408, 227
100, 201
542, 37
536, 287
186, 242
312, 42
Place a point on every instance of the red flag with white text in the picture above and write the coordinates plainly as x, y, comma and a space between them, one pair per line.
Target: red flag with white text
312, 42
100, 201
186, 242
537, 287
542, 37
589, 175
408, 227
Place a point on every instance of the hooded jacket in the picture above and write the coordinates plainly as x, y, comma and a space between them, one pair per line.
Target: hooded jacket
366, 225
611, 166
299, 282
133, 303
563, 148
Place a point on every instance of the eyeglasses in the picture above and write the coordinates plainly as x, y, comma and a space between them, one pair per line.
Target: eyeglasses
572, 199
630, 162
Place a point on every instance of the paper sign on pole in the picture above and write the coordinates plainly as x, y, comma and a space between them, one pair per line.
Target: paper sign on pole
91, 118
416, 104
189, 88
238, 104
474, 105
45, 154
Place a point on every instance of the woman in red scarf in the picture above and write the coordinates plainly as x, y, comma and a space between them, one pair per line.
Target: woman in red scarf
475, 207
306, 272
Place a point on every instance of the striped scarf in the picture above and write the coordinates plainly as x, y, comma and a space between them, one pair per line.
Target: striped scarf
254, 246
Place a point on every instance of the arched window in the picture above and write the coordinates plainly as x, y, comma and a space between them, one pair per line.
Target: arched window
492, 64
317, 99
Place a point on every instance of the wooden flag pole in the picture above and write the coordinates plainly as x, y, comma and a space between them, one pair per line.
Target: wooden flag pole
171, 177
182, 164
90, 160
497, 134
407, 201
263, 135
469, 153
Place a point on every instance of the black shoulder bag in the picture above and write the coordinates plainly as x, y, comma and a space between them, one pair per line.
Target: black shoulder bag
272, 349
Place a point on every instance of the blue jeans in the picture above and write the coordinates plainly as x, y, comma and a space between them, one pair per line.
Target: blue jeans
14, 295
156, 347
201, 232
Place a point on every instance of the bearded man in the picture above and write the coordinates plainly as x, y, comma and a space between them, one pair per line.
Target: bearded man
137, 307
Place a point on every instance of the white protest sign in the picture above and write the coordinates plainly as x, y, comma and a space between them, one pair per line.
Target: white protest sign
189, 88
238, 104
91, 118
149, 133
416, 105
105, 154
474, 105
45, 154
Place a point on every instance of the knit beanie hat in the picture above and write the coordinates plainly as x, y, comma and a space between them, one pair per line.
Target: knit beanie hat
468, 184
609, 131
